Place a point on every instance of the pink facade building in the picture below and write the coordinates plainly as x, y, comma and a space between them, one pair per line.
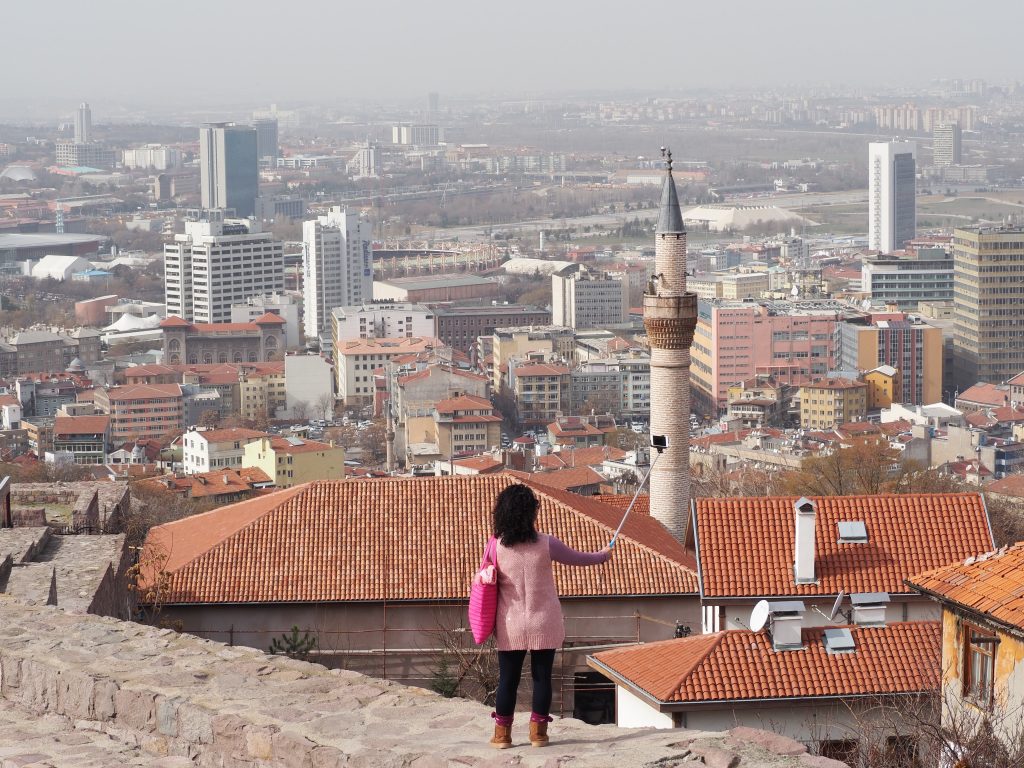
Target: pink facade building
794, 341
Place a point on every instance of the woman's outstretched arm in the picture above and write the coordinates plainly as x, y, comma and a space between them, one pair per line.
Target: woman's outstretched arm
560, 553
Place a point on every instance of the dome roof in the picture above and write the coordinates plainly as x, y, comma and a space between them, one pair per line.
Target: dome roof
18, 173
76, 366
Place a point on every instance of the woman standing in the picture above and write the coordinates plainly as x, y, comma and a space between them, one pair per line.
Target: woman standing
529, 617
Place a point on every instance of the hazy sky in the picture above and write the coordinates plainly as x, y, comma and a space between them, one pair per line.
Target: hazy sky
189, 51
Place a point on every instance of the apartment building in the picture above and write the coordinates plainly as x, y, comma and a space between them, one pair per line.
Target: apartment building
914, 349
988, 305
542, 391
585, 298
290, 461
827, 402
466, 425
206, 450
793, 341
355, 361
337, 267
382, 320
557, 341
87, 438
142, 410
218, 263
460, 327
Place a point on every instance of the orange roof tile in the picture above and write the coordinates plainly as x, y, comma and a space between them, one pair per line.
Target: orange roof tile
464, 403
565, 479
745, 545
306, 446
985, 394
622, 500
838, 382
1011, 485
228, 434
144, 392
80, 425
542, 369
220, 482
739, 665
581, 457
395, 539
480, 464
991, 584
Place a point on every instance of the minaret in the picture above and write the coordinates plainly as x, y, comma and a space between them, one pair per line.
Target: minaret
670, 315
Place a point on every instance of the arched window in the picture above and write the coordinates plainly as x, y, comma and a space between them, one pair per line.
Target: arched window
236, 357
271, 342
174, 345
192, 360
252, 357
175, 359
207, 358
222, 357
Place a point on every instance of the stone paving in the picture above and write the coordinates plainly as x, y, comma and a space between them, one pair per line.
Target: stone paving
80, 690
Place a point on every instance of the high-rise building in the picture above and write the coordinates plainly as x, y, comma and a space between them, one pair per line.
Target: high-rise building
416, 135
83, 124
266, 140
582, 298
228, 167
670, 316
946, 144
218, 263
367, 161
337, 267
914, 349
892, 205
988, 305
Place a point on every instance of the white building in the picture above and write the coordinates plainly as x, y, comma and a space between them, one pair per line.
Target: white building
83, 124
382, 320
581, 298
211, 449
59, 267
282, 304
947, 144
366, 164
416, 135
217, 264
356, 360
152, 156
308, 379
892, 189
337, 266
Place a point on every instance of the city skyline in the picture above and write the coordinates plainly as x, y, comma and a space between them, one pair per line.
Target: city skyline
612, 52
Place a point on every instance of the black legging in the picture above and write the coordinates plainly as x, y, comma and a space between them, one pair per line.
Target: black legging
510, 669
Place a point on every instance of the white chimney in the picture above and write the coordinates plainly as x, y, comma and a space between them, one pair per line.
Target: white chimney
803, 560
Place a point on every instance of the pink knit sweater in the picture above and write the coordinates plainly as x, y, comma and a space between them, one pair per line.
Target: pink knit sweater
529, 615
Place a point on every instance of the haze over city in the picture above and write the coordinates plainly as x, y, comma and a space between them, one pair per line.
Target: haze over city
352, 353
198, 54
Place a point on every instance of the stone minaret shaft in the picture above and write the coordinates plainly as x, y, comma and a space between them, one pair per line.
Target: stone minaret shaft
670, 315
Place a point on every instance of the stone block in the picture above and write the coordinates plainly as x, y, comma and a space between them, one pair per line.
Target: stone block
103, 692
156, 746
329, 757
172, 762
228, 734
259, 742
167, 715
135, 709
715, 757
75, 696
292, 751
38, 686
195, 724
773, 742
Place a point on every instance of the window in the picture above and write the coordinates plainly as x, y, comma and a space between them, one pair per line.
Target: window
844, 750
979, 664
901, 752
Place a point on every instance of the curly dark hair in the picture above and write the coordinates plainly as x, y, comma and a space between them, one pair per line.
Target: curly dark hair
515, 513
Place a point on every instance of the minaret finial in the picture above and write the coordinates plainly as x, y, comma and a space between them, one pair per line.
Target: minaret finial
667, 154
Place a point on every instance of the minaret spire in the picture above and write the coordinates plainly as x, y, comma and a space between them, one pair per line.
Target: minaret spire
670, 316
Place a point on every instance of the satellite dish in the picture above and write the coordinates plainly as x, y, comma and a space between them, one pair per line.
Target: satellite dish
759, 616
837, 605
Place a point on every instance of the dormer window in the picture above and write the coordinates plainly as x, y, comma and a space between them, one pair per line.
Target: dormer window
852, 532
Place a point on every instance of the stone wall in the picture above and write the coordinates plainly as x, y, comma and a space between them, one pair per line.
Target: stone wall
81, 503
164, 699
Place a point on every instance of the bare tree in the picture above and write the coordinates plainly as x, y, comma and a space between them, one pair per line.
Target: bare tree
464, 668
325, 405
300, 410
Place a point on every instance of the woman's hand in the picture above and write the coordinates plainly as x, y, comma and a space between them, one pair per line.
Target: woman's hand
607, 552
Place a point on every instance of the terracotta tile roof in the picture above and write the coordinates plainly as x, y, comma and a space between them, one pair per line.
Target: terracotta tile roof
1011, 485
6, 399
565, 479
745, 545
542, 369
153, 369
464, 403
228, 434
573, 429
144, 392
282, 445
175, 322
991, 584
980, 419
621, 501
581, 457
735, 665
480, 464
429, 370
395, 539
984, 394
269, 318
80, 425
204, 485
836, 383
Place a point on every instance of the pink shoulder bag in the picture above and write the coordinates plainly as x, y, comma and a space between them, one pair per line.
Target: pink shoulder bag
483, 595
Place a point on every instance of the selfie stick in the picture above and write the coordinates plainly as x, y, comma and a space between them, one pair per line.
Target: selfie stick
660, 443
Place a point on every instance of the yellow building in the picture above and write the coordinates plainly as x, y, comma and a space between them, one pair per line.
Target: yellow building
826, 402
913, 349
292, 461
982, 603
465, 425
557, 340
884, 382
261, 391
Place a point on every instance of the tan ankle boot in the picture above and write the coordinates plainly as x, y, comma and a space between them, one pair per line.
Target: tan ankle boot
538, 734
502, 738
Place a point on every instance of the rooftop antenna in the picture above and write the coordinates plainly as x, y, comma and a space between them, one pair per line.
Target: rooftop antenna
836, 608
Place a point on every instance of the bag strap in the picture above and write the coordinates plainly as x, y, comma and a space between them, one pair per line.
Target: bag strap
490, 553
